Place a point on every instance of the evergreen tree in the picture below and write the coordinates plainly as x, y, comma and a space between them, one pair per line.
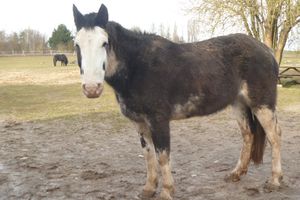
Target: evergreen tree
61, 38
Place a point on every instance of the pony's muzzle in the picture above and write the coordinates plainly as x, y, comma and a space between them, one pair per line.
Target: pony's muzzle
92, 90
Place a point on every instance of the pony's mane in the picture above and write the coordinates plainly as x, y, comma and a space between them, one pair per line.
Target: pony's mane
130, 33
134, 41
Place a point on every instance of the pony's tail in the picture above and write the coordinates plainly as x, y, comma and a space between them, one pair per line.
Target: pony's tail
259, 141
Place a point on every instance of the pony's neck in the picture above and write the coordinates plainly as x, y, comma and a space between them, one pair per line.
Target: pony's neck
127, 46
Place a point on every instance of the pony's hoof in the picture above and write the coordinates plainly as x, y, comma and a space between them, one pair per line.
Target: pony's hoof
148, 191
270, 186
165, 195
146, 194
232, 177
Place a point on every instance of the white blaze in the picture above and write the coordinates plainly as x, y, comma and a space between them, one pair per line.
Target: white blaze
93, 54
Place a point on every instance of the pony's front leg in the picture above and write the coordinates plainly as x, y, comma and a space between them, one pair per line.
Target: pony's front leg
150, 158
160, 130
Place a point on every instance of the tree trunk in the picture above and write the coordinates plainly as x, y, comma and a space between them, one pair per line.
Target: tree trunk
284, 33
278, 54
268, 40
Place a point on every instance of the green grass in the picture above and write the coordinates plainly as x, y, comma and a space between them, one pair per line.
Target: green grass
39, 91
289, 97
38, 102
290, 58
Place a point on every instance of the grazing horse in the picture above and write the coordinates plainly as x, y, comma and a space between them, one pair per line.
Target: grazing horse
62, 58
156, 81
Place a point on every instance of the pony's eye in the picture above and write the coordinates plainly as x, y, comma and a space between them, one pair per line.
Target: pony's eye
105, 44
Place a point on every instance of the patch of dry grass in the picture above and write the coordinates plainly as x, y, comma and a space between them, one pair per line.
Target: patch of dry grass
32, 89
36, 70
289, 98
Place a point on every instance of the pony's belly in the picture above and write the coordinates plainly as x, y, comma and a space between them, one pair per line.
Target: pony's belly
187, 109
198, 106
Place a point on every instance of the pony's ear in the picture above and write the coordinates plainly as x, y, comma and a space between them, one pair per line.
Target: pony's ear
102, 16
78, 18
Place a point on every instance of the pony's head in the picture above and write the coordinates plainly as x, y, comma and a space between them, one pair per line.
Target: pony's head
91, 43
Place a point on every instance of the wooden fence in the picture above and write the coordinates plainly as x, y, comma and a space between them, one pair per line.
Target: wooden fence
288, 71
35, 53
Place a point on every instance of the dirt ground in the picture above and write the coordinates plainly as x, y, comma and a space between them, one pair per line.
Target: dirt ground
89, 159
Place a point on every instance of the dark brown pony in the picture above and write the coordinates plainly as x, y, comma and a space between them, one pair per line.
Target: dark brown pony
156, 81
60, 57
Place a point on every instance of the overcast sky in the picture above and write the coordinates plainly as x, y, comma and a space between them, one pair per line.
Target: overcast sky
45, 15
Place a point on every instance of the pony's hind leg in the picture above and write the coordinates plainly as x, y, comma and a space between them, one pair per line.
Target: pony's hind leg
150, 158
242, 113
54, 61
268, 120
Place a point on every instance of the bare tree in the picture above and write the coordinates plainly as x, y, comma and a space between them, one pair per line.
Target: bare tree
32, 40
168, 33
136, 29
175, 36
153, 29
181, 39
269, 21
161, 30
26, 40
165, 31
13, 42
192, 30
3, 41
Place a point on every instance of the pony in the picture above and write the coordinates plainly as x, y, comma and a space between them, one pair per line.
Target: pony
156, 81
60, 57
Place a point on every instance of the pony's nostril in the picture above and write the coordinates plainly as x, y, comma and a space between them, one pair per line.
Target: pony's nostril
99, 85
83, 86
